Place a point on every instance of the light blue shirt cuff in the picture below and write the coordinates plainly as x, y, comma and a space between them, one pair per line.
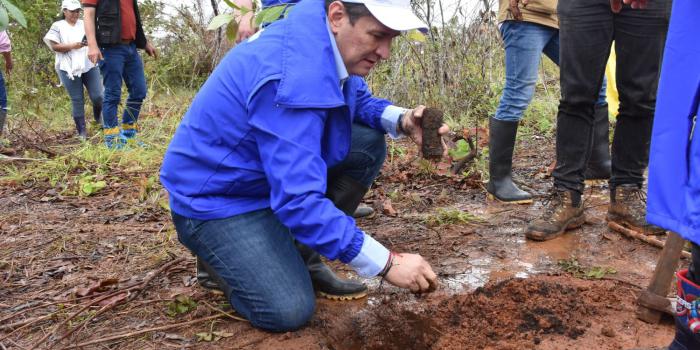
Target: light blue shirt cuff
371, 259
390, 119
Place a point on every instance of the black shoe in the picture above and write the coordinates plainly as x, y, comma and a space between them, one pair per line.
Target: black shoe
3, 117
501, 144
362, 211
599, 163
204, 277
325, 282
80, 127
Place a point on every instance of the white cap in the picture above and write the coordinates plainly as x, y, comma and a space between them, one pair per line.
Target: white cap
70, 5
395, 14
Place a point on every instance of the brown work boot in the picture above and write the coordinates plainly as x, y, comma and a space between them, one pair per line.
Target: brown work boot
628, 208
563, 211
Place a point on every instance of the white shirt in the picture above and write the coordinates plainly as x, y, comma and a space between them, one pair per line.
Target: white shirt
74, 62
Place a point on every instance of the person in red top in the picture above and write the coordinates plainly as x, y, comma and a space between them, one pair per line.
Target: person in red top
114, 33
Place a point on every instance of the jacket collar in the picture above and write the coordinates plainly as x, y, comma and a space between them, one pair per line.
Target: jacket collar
310, 77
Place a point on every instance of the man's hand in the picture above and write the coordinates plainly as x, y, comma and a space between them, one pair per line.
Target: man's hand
246, 27
411, 123
94, 54
150, 50
515, 10
411, 271
616, 5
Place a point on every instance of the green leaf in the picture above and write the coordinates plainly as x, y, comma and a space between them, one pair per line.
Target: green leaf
232, 4
219, 21
270, 14
4, 19
15, 13
232, 31
415, 35
461, 150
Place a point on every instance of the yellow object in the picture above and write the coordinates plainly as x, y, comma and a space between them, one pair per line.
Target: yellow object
612, 97
112, 131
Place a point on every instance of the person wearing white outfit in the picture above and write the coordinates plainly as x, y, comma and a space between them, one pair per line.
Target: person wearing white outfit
75, 70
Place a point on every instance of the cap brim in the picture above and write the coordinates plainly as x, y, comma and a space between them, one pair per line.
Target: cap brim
397, 18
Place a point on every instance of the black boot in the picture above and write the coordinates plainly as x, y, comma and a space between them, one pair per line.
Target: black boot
501, 143
325, 282
208, 278
80, 127
598, 167
3, 117
97, 114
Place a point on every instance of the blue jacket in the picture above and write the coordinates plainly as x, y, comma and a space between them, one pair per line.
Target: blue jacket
264, 129
674, 167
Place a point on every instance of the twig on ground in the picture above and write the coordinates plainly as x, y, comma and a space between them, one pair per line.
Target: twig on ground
224, 312
644, 238
131, 334
19, 159
137, 288
457, 167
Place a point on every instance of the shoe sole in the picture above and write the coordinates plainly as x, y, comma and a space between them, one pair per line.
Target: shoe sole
628, 225
522, 201
345, 297
543, 236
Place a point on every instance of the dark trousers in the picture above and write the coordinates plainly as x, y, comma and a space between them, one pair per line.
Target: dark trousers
586, 32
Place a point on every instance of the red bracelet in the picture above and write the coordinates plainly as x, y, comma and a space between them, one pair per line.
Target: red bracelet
389, 264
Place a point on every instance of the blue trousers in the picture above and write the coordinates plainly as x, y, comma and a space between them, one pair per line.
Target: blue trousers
255, 253
122, 62
92, 82
524, 44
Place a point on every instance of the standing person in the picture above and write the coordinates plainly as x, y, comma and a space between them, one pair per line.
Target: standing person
674, 165
6, 50
266, 156
529, 30
114, 33
74, 68
587, 29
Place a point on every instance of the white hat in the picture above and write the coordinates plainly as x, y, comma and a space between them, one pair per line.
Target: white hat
395, 14
70, 5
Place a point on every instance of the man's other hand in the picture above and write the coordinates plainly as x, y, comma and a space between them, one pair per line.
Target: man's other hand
411, 124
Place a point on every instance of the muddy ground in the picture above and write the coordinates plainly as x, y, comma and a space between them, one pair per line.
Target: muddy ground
107, 272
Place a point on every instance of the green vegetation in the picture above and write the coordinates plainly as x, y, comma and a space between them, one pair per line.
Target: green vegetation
449, 216
574, 268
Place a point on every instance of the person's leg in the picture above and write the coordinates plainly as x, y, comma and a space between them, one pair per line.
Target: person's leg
265, 278
598, 166
112, 67
585, 35
135, 80
3, 103
523, 42
74, 87
93, 84
639, 41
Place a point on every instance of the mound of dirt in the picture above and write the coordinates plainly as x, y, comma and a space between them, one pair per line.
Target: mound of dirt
512, 314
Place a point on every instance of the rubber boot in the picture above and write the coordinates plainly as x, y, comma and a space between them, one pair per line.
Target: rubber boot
501, 143
80, 127
362, 211
3, 117
114, 139
211, 280
97, 115
599, 163
687, 314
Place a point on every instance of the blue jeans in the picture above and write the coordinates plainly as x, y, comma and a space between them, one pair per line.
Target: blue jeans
122, 62
92, 82
3, 92
255, 253
524, 43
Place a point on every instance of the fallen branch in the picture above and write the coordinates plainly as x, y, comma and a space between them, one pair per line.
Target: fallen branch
131, 334
642, 237
457, 167
19, 159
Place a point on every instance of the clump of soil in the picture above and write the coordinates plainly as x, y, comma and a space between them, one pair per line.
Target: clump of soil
513, 314
432, 144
